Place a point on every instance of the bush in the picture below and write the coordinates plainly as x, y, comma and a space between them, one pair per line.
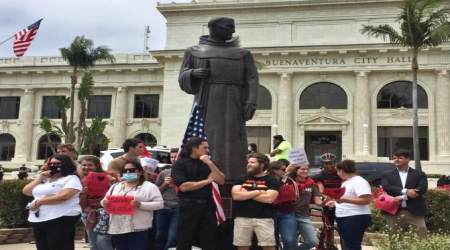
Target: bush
12, 204
438, 219
378, 220
412, 242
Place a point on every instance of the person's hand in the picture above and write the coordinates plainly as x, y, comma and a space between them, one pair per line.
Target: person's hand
200, 73
35, 205
397, 200
206, 159
412, 193
249, 111
136, 203
331, 203
210, 179
43, 175
168, 180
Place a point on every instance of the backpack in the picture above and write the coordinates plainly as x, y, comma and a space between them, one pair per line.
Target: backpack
288, 193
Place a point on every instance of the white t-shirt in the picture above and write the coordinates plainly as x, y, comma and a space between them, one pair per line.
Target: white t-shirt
354, 187
70, 207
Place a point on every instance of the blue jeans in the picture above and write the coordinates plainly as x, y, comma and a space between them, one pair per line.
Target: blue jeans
131, 241
166, 228
287, 229
352, 230
99, 241
308, 233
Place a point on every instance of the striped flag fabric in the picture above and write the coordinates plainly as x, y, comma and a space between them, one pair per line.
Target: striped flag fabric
23, 38
196, 128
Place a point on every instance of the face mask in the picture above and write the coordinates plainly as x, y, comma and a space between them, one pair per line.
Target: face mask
130, 177
54, 169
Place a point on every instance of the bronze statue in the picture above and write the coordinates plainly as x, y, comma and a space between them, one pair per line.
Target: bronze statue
224, 80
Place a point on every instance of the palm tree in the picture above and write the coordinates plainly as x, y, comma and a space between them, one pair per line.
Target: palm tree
423, 24
84, 92
81, 55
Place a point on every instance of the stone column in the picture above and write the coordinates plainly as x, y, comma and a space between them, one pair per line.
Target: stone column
361, 111
285, 107
442, 115
25, 141
120, 117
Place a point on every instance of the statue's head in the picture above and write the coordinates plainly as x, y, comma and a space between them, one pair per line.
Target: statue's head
221, 28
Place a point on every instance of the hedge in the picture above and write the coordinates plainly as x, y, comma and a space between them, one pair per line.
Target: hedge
12, 204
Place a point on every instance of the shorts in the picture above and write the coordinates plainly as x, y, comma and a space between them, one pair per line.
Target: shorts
263, 228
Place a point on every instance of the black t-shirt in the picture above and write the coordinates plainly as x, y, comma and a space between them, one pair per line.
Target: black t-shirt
329, 180
251, 208
187, 170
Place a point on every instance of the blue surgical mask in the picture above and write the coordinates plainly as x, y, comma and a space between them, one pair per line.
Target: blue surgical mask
129, 177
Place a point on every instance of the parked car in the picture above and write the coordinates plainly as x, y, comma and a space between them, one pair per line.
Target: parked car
160, 153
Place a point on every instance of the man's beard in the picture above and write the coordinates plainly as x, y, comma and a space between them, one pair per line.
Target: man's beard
254, 171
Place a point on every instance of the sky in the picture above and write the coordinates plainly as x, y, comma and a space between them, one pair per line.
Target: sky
118, 24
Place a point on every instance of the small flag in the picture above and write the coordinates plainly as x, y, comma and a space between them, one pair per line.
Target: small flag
24, 38
196, 128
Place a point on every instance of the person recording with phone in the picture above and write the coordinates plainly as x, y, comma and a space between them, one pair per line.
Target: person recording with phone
56, 206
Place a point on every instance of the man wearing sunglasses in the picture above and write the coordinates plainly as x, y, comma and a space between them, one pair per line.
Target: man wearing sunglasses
194, 174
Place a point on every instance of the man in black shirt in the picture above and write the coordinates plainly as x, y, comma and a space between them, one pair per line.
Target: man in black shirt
253, 196
193, 174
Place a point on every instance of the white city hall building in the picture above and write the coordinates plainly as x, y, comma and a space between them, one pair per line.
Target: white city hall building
324, 85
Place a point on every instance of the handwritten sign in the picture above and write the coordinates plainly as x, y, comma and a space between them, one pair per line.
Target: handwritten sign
97, 184
120, 205
298, 157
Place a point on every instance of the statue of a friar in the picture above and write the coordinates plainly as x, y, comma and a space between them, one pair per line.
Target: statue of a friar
224, 80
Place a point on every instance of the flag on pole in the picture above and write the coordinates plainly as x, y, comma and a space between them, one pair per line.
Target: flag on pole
23, 38
196, 128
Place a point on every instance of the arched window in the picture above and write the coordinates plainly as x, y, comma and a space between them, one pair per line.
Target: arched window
264, 98
147, 138
399, 94
45, 147
7, 147
323, 94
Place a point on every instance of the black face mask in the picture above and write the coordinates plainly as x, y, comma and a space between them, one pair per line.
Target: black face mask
54, 169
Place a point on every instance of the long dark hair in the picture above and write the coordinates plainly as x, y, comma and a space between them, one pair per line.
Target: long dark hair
67, 165
186, 149
139, 167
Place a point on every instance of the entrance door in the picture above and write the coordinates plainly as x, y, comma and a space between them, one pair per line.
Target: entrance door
320, 142
261, 137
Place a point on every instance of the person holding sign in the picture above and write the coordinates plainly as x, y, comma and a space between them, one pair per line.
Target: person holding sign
130, 204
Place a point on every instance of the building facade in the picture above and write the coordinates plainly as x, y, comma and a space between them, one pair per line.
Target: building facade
324, 85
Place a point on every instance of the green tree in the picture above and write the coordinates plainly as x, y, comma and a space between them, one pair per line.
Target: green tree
84, 92
423, 24
81, 55
50, 129
93, 136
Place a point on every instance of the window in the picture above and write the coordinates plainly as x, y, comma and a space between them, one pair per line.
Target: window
9, 106
45, 148
323, 94
146, 106
50, 108
147, 138
391, 139
99, 106
7, 147
264, 98
399, 94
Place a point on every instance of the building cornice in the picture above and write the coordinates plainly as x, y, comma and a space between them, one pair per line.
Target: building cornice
166, 8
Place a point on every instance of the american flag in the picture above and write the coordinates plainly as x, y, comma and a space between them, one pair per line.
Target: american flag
24, 38
196, 128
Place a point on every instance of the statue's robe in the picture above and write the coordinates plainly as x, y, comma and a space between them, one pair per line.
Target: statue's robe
232, 82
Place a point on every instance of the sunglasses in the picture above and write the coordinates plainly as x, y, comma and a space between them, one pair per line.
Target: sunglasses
129, 170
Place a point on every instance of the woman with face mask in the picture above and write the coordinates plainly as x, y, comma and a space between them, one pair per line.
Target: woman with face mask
130, 232
56, 206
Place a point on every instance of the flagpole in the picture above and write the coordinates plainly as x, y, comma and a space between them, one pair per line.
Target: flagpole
1, 43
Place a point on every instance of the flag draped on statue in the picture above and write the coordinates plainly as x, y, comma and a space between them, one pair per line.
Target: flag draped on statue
23, 38
196, 128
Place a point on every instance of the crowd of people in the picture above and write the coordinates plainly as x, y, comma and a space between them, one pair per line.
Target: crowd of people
175, 208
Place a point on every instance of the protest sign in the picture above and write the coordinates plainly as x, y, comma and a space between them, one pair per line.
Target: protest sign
119, 204
298, 157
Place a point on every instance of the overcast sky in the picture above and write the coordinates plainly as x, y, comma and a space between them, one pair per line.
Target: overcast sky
118, 24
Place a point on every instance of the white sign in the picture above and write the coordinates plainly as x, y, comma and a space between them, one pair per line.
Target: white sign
298, 157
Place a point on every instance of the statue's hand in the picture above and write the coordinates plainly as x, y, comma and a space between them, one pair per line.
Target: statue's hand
201, 73
249, 111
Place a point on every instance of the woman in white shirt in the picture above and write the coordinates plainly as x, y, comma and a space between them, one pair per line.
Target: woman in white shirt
353, 214
56, 206
130, 232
